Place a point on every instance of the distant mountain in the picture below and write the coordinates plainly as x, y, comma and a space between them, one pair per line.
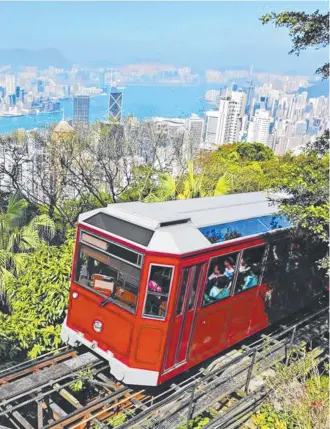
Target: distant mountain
318, 89
42, 58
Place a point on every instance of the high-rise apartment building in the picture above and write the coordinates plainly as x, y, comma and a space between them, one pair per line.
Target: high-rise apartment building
10, 83
115, 104
300, 128
212, 118
240, 98
227, 126
81, 110
195, 129
258, 131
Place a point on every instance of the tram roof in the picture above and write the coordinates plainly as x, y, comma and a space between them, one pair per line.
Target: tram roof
183, 226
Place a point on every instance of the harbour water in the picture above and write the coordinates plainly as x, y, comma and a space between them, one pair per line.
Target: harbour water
142, 101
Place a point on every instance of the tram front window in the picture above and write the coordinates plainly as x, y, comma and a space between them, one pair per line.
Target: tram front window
115, 280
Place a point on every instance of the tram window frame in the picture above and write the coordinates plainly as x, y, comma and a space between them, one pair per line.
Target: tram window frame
229, 287
119, 281
184, 278
158, 294
195, 281
106, 244
260, 268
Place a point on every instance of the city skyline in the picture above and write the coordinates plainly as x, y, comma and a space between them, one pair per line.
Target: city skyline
202, 35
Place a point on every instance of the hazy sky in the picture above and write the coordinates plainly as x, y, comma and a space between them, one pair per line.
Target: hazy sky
198, 34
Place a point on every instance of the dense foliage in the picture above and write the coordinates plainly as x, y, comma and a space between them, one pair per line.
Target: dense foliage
19, 236
305, 181
37, 301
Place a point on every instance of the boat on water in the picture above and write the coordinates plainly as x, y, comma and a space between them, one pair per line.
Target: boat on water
11, 115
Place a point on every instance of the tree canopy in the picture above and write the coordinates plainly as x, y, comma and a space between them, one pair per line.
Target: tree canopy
306, 31
305, 180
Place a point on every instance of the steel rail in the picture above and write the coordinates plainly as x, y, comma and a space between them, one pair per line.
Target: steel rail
6, 402
109, 408
81, 412
19, 372
30, 362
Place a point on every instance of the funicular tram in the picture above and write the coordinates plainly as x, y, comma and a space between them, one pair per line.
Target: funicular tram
159, 287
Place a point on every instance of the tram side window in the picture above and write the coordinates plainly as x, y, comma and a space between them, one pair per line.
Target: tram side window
277, 260
250, 269
219, 278
158, 291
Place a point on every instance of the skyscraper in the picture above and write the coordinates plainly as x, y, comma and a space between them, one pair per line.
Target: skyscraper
17, 92
115, 104
250, 95
10, 83
258, 131
240, 98
227, 127
212, 118
40, 86
81, 109
300, 128
195, 128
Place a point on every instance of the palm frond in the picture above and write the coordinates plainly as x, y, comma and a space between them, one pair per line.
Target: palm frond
15, 208
222, 186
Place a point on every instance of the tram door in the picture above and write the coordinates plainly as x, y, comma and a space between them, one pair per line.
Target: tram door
178, 346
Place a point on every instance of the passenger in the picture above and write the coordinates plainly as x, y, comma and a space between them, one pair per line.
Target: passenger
250, 280
229, 269
244, 267
216, 273
154, 283
217, 293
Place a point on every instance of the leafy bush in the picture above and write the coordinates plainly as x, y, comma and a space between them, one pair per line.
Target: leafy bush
37, 300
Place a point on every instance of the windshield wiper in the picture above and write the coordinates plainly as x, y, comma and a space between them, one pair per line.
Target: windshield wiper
106, 301
109, 299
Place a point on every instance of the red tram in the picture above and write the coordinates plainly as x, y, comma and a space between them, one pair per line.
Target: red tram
159, 287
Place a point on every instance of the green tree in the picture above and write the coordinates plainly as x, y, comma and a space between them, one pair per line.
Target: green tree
304, 182
245, 152
144, 182
38, 300
254, 152
306, 31
18, 238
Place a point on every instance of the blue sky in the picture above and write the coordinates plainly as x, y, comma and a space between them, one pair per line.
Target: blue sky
198, 34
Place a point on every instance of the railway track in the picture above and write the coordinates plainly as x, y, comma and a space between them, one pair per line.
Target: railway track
44, 394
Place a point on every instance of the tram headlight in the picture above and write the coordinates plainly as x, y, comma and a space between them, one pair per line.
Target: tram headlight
98, 326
